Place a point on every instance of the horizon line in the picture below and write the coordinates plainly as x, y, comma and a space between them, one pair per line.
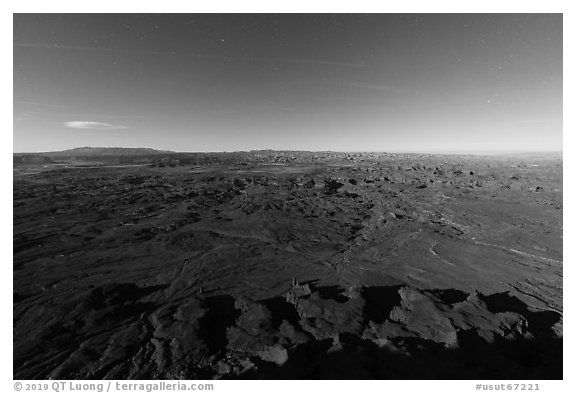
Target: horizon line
417, 151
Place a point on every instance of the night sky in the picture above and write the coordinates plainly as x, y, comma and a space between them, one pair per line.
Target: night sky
343, 82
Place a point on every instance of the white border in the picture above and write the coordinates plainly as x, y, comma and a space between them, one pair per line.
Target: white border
300, 6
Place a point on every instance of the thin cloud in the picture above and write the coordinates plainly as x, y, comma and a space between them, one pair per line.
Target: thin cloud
93, 125
82, 48
81, 114
389, 88
194, 55
372, 87
34, 103
300, 61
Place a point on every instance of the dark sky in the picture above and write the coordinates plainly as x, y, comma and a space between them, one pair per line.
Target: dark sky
347, 82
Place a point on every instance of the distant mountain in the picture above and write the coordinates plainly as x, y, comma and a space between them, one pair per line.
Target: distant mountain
31, 159
104, 151
93, 155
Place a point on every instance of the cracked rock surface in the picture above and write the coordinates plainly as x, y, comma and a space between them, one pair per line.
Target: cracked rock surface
289, 265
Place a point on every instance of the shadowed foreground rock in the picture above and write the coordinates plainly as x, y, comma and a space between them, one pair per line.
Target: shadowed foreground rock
319, 333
